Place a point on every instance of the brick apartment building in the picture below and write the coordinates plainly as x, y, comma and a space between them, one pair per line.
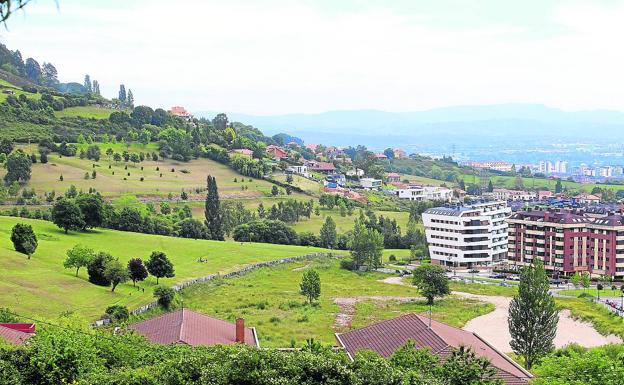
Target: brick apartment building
568, 241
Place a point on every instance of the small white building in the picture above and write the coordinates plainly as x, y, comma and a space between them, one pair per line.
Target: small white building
425, 193
355, 172
301, 170
370, 183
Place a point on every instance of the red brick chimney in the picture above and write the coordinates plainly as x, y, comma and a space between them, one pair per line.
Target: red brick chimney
240, 330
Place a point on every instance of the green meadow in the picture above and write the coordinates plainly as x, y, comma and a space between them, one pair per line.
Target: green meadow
43, 288
269, 300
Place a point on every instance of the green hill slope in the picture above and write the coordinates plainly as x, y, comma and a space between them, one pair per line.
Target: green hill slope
42, 287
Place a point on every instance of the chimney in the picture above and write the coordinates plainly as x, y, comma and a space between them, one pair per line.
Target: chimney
240, 330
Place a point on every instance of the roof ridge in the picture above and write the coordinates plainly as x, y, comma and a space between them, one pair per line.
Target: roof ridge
182, 331
383, 322
505, 357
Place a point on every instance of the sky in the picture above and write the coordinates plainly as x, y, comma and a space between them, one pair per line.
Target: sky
300, 56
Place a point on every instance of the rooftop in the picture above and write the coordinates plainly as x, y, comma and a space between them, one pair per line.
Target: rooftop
387, 336
16, 333
188, 327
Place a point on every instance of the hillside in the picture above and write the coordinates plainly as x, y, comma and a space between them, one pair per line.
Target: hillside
42, 287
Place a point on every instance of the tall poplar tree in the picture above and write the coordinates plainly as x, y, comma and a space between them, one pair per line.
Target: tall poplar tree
87, 84
130, 98
212, 212
533, 315
122, 93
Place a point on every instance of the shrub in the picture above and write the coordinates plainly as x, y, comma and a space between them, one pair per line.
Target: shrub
392, 258
165, 296
24, 239
96, 269
347, 264
118, 313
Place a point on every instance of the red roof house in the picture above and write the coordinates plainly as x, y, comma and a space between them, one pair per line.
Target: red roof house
314, 165
276, 152
387, 336
393, 177
191, 328
16, 333
242, 151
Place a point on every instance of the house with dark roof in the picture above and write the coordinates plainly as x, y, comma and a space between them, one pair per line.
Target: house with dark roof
191, 328
16, 333
388, 336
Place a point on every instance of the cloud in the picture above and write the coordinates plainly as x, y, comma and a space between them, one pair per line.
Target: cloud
276, 57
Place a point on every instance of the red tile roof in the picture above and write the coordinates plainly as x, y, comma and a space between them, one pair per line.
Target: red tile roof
191, 328
387, 336
320, 166
16, 335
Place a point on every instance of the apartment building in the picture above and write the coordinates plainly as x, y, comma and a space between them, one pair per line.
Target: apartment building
568, 241
424, 193
467, 235
504, 194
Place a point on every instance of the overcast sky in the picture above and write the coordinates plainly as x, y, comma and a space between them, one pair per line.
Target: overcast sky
268, 57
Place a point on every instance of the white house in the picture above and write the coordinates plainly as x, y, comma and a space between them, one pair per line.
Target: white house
425, 193
301, 170
504, 194
355, 172
370, 183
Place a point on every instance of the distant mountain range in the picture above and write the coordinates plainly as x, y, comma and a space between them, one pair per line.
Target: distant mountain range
467, 126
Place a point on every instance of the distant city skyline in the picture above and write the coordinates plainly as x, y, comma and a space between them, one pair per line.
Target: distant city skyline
277, 56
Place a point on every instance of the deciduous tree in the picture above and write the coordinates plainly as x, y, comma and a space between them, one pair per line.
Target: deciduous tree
18, 167
77, 257
138, 271
116, 273
159, 266
310, 286
431, 281
67, 215
24, 239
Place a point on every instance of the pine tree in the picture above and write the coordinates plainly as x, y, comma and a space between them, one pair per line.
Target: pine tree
490, 186
87, 84
328, 236
122, 93
533, 315
212, 212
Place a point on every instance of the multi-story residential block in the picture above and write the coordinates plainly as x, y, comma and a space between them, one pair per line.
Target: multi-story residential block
424, 193
467, 235
568, 242
371, 183
492, 164
503, 194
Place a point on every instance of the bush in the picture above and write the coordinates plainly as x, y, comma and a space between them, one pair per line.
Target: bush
347, 264
118, 313
96, 269
392, 258
266, 231
24, 239
165, 296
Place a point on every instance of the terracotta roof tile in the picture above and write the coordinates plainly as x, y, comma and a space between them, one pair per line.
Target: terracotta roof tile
13, 336
188, 327
387, 336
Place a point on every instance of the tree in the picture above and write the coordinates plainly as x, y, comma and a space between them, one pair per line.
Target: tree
33, 70
18, 167
490, 186
220, 122
122, 93
310, 285
87, 84
328, 234
165, 296
212, 212
116, 273
366, 246
533, 315
77, 257
191, 228
558, 186
91, 207
49, 75
66, 215
463, 366
585, 280
159, 266
118, 313
97, 267
130, 100
93, 152
431, 281
389, 153
137, 270
576, 279
24, 239
6, 146
274, 191
518, 183
96, 87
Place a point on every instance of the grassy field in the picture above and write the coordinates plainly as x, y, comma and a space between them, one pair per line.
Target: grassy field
344, 224
85, 112
534, 183
17, 92
269, 300
605, 321
305, 184
115, 181
592, 292
42, 287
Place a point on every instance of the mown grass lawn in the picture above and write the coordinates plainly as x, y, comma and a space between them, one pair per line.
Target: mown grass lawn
344, 224
85, 112
42, 287
269, 300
